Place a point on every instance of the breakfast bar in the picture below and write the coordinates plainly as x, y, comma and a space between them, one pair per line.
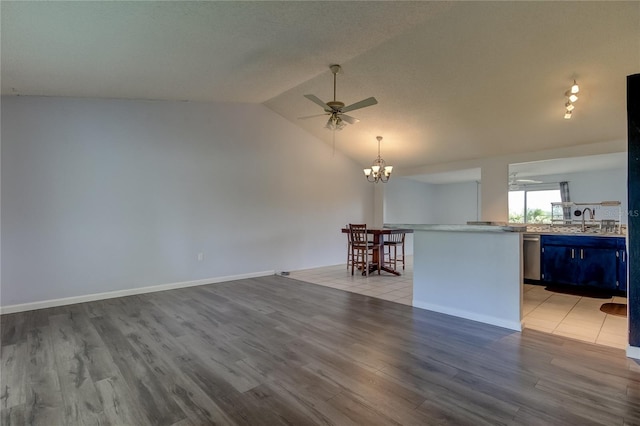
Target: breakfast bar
469, 271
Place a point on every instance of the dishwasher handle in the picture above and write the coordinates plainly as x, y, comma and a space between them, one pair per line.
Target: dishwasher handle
534, 239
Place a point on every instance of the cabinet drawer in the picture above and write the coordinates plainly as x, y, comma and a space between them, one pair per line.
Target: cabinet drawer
583, 241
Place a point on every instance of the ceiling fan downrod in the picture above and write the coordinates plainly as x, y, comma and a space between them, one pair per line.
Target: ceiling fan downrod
334, 104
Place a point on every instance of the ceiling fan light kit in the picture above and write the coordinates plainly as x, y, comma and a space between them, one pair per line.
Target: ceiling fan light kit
335, 123
572, 96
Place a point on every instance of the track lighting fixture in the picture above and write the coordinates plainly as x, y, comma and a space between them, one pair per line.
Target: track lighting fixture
572, 97
575, 88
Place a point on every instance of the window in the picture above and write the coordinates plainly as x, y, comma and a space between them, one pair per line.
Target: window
535, 202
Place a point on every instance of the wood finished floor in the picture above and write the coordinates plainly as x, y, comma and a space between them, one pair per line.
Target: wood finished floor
274, 350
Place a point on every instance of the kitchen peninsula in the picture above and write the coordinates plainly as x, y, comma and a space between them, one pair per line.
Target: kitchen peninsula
469, 271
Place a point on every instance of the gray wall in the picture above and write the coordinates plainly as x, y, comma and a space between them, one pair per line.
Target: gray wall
456, 202
408, 201
411, 201
595, 186
106, 195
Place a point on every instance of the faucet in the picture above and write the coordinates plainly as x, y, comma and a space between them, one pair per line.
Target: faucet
590, 217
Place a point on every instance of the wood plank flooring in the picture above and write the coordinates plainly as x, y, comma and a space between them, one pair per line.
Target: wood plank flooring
274, 350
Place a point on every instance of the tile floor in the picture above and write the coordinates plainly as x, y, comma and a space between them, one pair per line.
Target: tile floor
383, 286
566, 315
573, 316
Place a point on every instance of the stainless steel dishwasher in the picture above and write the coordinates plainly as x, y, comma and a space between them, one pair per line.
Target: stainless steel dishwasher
531, 256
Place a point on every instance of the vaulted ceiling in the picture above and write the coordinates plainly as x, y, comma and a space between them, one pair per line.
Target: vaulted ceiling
454, 80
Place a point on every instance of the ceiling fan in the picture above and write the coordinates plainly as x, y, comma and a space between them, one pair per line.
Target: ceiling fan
336, 109
514, 182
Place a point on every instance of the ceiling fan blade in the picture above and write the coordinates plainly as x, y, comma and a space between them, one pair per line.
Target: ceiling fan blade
349, 119
363, 103
528, 181
312, 116
315, 99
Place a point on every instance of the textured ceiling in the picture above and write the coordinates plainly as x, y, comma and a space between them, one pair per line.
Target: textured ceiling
454, 80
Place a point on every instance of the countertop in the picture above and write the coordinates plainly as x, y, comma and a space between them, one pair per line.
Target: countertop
571, 230
577, 234
529, 230
458, 228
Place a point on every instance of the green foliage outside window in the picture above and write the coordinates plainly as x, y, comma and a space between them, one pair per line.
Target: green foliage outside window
533, 216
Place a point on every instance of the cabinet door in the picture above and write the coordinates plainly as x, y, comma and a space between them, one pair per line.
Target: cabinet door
559, 264
598, 267
622, 267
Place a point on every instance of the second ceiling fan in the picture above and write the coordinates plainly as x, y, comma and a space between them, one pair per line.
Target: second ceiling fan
336, 109
515, 183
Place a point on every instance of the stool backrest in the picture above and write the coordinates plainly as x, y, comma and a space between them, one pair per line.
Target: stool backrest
358, 233
395, 238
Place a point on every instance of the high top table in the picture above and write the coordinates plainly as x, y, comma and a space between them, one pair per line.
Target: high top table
379, 241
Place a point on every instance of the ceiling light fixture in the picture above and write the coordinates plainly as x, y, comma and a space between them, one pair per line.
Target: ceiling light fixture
571, 95
335, 123
379, 171
575, 88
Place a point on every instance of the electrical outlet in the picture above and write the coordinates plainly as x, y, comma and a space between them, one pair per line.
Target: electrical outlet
200, 257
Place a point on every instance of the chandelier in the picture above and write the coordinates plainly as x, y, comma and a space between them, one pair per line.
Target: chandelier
379, 170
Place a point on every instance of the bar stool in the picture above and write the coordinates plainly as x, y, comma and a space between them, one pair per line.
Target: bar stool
361, 248
391, 244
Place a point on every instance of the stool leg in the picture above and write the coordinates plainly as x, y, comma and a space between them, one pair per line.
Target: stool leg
395, 257
366, 261
353, 260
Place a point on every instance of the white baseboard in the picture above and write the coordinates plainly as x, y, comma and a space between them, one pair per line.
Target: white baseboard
499, 322
633, 352
127, 292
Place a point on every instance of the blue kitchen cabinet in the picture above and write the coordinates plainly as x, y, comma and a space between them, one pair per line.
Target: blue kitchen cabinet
558, 264
598, 267
583, 261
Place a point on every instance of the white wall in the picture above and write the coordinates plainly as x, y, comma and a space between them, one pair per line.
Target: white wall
106, 195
